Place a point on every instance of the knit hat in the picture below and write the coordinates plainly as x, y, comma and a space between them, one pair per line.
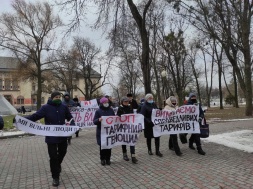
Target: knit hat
66, 94
103, 100
148, 96
54, 94
125, 99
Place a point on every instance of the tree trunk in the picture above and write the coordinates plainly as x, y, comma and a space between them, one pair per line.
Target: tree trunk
39, 88
141, 23
236, 90
220, 85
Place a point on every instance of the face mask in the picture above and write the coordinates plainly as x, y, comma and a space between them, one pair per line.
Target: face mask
194, 101
106, 105
57, 101
150, 101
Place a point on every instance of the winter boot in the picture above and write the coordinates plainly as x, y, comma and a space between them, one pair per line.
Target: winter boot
191, 145
134, 160
125, 157
157, 146
200, 151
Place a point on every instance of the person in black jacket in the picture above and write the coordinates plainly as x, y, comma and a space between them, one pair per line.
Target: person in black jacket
125, 108
146, 111
54, 113
196, 137
133, 103
104, 110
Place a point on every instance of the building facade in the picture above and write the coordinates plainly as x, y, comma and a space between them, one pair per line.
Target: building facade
21, 92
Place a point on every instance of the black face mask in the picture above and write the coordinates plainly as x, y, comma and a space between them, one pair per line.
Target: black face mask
194, 101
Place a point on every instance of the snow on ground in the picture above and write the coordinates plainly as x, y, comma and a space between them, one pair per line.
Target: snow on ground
241, 140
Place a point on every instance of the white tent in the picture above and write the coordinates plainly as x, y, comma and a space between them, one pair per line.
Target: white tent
6, 108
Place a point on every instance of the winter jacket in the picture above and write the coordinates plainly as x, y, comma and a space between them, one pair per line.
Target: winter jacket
53, 115
124, 110
102, 111
134, 104
1, 123
146, 111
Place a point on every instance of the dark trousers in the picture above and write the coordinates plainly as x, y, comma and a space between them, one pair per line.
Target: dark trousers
157, 144
132, 149
56, 154
173, 143
195, 138
105, 154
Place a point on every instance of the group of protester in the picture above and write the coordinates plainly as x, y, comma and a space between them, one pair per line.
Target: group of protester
56, 111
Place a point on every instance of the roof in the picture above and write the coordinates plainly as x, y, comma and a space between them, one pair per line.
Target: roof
8, 63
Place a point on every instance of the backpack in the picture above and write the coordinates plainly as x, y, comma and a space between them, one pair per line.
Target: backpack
1, 123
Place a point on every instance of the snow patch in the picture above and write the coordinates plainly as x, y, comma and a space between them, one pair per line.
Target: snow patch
241, 140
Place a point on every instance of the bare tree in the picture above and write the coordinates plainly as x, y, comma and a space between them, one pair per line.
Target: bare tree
177, 66
118, 9
230, 23
27, 33
87, 57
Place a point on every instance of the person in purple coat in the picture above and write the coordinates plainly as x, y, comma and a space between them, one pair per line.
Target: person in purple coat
104, 110
54, 113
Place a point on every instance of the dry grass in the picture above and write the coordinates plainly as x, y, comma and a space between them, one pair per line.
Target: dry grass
215, 113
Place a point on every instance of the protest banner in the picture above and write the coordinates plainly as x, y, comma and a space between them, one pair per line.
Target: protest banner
83, 116
89, 104
28, 126
182, 120
124, 130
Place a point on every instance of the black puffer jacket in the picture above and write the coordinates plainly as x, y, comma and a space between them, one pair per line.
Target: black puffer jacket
124, 110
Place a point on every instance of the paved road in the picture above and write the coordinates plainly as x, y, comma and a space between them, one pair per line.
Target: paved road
24, 163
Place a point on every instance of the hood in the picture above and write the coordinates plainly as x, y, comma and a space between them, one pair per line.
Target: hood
168, 101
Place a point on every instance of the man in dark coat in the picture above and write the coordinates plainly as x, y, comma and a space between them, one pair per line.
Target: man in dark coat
146, 111
133, 103
54, 113
196, 137
104, 110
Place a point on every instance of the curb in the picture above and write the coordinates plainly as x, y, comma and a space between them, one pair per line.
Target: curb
16, 136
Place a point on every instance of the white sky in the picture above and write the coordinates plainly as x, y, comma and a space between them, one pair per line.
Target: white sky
94, 35
85, 31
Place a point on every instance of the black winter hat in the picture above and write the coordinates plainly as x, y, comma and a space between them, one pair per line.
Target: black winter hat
54, 94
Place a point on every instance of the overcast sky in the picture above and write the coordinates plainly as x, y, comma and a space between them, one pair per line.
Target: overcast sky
85, 31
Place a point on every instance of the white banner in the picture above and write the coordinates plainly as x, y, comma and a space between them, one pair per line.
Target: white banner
124, 130
183, 120
28, 126
89, 104
83, 116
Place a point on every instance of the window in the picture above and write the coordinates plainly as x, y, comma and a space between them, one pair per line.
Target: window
20, 100
15, 85
7, 84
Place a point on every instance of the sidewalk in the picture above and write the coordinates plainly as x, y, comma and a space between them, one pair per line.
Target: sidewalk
24, 163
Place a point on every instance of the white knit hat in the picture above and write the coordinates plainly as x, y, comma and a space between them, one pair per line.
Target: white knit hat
148, 96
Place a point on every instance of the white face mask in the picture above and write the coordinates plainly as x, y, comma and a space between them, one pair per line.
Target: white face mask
106, 105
